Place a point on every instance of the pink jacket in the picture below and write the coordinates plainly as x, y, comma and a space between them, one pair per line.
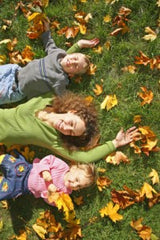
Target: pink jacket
57, 169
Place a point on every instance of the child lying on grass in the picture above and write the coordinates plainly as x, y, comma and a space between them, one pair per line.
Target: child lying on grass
43, 178
50, 73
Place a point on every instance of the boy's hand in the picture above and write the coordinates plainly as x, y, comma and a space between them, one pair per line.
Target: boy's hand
46, 176
123, 138
83, 43
46, 24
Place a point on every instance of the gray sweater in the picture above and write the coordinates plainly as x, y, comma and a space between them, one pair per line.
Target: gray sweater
44, 74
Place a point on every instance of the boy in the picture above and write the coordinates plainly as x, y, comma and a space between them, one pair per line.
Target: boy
46, 74
42, 178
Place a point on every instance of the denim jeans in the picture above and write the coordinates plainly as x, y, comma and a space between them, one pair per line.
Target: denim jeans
9, 91
14, 181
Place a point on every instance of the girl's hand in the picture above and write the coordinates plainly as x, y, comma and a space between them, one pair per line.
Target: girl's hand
123, 138
83, 43
52, 188
46, 176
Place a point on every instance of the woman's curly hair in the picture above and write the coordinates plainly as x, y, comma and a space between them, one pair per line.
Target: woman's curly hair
85, 110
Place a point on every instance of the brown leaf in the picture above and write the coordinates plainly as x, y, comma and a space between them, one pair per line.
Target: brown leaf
103, 182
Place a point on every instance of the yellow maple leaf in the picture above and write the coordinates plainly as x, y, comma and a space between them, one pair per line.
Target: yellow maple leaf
111, 212
109, 102
40, 230
151, 36
98, 50
107, 45
82, 29
3, 59
116, 158
130, 69
1, 225
154, 175
4, 204
29, 155
147, 190
107, 18
89, 99
98, 89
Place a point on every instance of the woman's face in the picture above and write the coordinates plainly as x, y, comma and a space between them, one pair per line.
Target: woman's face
70, 124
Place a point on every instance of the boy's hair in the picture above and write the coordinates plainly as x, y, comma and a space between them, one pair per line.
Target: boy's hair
85, 110
87, 62
89, 172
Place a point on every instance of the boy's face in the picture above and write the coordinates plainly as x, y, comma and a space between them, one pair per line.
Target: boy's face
75, 179
74, 63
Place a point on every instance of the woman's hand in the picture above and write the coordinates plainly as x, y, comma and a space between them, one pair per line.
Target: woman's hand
84, 43
46, 176
124, 138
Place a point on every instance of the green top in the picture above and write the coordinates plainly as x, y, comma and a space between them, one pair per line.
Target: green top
20, 126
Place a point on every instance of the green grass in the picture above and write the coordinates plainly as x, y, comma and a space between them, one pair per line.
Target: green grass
24, 211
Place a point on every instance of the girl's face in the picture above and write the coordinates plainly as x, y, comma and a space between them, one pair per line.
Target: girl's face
70, 124
75, 179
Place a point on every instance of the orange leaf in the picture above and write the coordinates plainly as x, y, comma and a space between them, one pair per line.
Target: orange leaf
103, 182
78, 200
137, 118
98, 89
146, 95
92, 69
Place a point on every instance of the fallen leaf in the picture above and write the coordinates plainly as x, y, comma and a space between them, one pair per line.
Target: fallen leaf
111, 212
78, 200
103, 182
130, 69
146, 95
151, 36
117, 157
98, 89
3, 59
109, 102
154, 176
137, 118
147, 191
107, 18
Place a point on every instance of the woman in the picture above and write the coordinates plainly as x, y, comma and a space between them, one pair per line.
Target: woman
61, 124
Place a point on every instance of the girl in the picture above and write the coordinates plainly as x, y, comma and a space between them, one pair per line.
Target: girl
42, 178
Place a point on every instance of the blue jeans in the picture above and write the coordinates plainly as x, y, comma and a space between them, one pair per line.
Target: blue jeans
9, 91
15, 179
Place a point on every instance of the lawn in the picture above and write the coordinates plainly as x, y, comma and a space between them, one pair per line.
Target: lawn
126, 64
